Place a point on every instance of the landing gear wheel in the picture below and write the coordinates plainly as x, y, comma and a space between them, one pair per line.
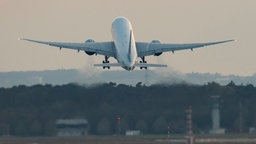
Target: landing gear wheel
143, 61
106, 61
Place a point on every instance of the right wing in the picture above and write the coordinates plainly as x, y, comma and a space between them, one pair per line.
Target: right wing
146, 49
102, 48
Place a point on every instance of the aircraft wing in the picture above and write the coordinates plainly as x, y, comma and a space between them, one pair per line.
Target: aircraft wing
146, 49
102, 48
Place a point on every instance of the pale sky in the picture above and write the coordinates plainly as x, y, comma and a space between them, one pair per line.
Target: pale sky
170, 21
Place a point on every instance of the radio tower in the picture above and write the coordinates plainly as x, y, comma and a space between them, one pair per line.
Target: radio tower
190, 138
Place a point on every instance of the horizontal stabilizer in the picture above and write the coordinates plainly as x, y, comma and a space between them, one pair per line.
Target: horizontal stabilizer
108, 65
149, 65
136, 65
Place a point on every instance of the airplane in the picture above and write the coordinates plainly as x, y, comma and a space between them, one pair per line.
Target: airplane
124, 48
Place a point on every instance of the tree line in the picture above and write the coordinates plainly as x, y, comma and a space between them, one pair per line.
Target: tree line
110, 108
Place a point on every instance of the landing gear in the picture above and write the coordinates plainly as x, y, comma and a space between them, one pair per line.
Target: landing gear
106, 61
143, 61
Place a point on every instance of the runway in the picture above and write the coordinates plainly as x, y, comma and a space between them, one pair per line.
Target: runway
121, 140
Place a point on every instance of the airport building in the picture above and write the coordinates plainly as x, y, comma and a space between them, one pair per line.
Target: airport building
132, 132
72, 127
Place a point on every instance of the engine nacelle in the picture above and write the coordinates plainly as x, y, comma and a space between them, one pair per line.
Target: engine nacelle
89, 53
157, 54
89, 41
156, 42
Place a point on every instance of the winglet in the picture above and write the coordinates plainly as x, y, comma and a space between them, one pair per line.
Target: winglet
35, 41
232, 40
228, 41
24, 39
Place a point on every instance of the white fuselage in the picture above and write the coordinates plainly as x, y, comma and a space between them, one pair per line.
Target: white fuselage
125, 47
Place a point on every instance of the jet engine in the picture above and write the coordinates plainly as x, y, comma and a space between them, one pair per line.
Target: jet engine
89, 41
156, 42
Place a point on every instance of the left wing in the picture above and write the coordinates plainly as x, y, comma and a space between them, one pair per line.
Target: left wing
102, 48
146, 49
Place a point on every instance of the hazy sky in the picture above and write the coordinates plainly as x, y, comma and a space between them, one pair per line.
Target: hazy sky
172, 21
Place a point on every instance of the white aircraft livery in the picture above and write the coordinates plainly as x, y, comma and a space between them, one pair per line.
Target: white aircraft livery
124, 48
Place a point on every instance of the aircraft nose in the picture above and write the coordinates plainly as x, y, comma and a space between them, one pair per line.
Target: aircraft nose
129, 66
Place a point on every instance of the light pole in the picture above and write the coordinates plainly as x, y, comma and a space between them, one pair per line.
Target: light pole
118, 124
168, 134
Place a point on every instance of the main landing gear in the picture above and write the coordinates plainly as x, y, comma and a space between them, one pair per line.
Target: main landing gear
143, 61
106, 61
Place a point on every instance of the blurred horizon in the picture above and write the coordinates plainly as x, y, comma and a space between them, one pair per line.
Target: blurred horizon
93, 78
